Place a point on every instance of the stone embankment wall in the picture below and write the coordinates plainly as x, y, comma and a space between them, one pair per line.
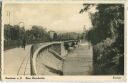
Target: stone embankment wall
47, 59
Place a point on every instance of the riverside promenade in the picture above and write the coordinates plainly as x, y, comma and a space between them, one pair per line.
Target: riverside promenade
78, 61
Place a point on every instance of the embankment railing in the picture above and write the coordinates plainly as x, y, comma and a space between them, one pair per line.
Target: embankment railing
36, 49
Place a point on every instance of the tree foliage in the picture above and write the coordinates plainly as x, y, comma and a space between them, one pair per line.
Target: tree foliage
107, 38
15, 36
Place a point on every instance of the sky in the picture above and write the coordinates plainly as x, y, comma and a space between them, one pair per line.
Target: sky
60, 17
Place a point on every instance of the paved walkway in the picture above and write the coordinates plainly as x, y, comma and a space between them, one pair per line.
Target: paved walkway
17, 61
79, 61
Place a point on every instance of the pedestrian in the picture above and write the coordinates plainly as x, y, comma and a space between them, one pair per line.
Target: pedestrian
66, 45
24, 42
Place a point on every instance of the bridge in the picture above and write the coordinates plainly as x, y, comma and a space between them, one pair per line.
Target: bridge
52, 58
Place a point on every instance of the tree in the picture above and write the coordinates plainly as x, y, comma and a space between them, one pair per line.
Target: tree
107, 33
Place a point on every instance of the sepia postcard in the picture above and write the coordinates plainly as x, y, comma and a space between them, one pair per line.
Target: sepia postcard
63, 41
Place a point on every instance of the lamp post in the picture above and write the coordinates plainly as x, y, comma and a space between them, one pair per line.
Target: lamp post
84, 32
